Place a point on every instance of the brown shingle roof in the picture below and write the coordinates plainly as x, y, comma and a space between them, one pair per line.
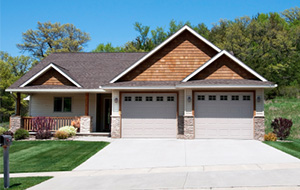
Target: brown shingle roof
90, 70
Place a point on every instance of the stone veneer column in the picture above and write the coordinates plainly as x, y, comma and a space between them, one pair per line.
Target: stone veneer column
15, 123
85, 124
115, 127
259, 128
189, 129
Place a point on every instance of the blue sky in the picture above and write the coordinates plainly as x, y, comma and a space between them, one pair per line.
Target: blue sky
112, 20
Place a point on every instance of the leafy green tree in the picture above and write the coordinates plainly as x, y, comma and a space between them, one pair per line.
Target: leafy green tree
50, 38
11, 69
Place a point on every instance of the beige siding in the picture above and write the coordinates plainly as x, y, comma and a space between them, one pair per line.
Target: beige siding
42, 105
188, 106
260, 105
181, 103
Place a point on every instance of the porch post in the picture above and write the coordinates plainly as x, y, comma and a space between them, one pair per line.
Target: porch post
116, 114
87, 98
86, 120
189, 128
15, 121
18, 104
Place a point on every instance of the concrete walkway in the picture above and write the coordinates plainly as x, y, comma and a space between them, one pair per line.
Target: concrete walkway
180, 164
271, 176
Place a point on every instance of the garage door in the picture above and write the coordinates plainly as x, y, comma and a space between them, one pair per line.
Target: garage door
149, 115
224, 115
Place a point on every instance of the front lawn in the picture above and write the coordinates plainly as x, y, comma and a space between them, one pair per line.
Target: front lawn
292, 148
20, 183
44, 156
283, 107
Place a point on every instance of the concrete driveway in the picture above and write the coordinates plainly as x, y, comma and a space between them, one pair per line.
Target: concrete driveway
154, 153
182, 164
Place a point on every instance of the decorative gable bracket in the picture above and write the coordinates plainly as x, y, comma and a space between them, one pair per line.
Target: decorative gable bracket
53, 66
224, 52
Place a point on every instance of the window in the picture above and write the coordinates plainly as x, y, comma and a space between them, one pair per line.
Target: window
170, 98
246, 98
235, 97
211, 97
201, 97
223, 97
62, 104
138, 98
159, 98
149, 99
127, 99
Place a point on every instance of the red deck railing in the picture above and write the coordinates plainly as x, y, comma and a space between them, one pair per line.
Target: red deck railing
59, 122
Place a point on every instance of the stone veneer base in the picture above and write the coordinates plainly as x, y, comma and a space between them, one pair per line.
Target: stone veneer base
15, 123
259, 128
115, 127
189, 129
85, 124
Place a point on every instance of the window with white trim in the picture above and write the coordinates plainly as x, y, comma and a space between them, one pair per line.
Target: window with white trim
235, 97
212, 97
149, 99
127, 99
138, 98
223, 97
62, 104
201, 97
170, 98
159, 98
246, 98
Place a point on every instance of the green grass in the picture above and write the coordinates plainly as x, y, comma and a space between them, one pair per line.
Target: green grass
43, 156
20, 183
292, 148
286, 108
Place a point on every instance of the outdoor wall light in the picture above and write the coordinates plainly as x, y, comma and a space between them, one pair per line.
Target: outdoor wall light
116, 100
258, 98
189, 98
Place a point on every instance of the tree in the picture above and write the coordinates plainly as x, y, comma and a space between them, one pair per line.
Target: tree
11, 69
50, 38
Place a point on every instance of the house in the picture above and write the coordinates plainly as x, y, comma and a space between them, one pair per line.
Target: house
184, 88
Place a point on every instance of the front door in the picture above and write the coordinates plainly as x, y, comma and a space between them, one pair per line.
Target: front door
107, 114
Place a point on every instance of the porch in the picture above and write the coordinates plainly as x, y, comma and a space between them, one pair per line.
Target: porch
92, 109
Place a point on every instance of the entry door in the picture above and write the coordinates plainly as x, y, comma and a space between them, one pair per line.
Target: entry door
150, 115
107, 114
224, 115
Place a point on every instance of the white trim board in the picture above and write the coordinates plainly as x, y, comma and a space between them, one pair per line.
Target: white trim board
51, 65
162, 45
231, 57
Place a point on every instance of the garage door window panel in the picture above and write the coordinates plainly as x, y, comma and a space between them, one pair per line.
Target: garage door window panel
201, 97
159, 98
223, 97
127, 99
170, 98
138, 98
212, 97
235, 98
149, 98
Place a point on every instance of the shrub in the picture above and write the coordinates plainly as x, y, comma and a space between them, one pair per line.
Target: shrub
21, 134
281, 127
9, 133
43, 135
270, 137
61, 135
70, 130
2, 130
42, 126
